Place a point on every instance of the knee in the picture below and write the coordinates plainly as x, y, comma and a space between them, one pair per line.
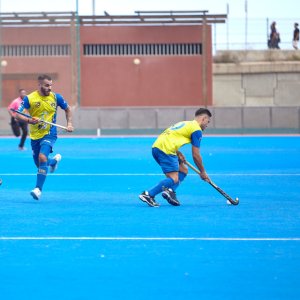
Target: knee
42, 158
175, 178
183, 168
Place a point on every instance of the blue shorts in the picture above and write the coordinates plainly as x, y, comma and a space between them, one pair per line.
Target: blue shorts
43, 145
168, 162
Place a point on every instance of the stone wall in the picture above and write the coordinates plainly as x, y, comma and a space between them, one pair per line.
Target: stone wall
241, 119
256, 78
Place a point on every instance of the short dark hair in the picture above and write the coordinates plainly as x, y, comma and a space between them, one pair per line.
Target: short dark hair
202, 111
43, 77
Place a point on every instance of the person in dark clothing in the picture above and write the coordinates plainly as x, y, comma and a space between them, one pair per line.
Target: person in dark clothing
274, 37
296, 36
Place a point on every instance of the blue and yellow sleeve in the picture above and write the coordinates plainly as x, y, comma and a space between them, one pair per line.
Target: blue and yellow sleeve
25, 104
196, 138
61, 102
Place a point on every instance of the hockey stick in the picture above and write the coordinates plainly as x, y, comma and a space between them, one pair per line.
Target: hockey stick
46, 122
232, 201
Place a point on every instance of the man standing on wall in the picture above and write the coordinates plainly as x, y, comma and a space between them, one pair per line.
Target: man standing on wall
296, 36
274, 37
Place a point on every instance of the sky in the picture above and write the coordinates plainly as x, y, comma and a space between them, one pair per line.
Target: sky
248, 20
255, 8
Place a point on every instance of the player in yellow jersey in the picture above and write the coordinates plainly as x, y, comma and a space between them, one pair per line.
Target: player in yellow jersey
165, 151
42, 105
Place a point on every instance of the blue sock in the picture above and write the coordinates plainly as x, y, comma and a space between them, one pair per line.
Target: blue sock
167, 182
41, 175
51, 161
181, 176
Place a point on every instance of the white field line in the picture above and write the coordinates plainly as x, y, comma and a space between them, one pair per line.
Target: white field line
90, 238
150, 174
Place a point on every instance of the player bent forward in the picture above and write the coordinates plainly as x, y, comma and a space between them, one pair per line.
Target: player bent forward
42, 105
165, 152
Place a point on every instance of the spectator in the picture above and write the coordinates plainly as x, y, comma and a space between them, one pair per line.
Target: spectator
296, 36
274, 41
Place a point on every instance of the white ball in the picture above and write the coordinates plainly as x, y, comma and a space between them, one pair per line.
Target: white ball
3, 63
228, 202
136, 61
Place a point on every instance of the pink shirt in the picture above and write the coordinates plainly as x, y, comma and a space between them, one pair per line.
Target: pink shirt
15, 104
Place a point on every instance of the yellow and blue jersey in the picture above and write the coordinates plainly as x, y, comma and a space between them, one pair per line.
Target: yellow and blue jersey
176, 136
44, 108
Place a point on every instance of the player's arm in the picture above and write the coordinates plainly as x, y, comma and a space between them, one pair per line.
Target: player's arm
24, 109
68, 113
181, 157
198, 162
63, 104
195, 141
32, 120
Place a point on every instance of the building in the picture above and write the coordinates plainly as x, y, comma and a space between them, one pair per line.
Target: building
146, 59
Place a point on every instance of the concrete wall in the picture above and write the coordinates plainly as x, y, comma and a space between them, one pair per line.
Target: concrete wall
225, 119
256, 78
149, 119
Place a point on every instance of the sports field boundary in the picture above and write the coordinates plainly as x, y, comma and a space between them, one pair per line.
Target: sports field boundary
99, 238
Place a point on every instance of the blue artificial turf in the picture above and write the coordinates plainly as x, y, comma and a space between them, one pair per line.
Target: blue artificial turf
90, 237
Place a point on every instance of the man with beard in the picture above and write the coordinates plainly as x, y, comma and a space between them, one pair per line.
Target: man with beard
165, 151
42, 105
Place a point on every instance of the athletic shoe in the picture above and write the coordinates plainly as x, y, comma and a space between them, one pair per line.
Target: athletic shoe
52, 168
170, 196
145, 197
22, 148
36, 193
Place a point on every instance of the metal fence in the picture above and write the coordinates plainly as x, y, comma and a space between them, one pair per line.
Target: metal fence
251, 34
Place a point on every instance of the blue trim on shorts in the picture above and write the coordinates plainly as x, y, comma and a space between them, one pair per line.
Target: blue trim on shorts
168, 162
